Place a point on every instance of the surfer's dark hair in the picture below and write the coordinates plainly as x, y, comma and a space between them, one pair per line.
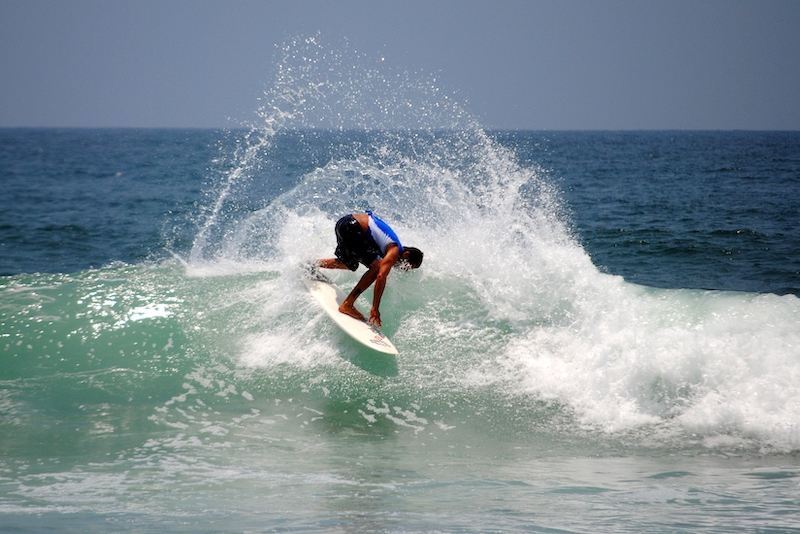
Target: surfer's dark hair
414, 258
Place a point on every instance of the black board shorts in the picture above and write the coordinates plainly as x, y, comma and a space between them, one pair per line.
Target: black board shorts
353, 245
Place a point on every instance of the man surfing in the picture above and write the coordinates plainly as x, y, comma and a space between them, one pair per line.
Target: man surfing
364, 238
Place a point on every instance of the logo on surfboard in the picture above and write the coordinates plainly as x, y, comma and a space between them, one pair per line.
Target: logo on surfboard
378, 340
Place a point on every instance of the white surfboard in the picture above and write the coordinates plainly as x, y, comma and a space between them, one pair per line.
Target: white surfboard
330, 296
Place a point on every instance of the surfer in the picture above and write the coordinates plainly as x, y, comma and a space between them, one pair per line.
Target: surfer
364, 238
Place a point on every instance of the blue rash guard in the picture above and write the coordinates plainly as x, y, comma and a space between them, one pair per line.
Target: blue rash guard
354, 246
382, 234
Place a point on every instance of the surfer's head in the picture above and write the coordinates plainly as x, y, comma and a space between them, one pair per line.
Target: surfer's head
411, 259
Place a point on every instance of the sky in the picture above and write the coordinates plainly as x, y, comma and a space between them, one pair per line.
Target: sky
512, 64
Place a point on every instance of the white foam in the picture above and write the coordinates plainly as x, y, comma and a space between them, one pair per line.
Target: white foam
708, 362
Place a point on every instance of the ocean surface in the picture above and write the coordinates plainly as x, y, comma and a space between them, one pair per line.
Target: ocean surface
604, 335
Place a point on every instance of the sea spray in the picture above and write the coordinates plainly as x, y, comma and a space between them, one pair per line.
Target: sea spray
508, 300
318, 87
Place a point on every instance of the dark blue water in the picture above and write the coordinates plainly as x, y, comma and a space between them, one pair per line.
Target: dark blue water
714, 210
75, 199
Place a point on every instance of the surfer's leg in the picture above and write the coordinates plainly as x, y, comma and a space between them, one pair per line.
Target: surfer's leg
352, 311
348, 307
332, 263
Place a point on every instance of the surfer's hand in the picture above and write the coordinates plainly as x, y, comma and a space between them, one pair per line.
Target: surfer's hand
375, 318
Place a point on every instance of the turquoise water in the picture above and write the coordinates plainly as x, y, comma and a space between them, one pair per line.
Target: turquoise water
603, 338
143, 398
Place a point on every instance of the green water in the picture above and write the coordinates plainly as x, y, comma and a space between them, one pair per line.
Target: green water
151, 398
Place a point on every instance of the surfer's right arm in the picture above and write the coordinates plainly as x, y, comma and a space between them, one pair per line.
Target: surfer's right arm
383, 267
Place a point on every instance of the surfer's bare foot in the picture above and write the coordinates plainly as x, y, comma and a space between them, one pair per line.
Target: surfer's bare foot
352, 312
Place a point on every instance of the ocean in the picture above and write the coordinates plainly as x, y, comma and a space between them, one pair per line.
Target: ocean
604, 335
